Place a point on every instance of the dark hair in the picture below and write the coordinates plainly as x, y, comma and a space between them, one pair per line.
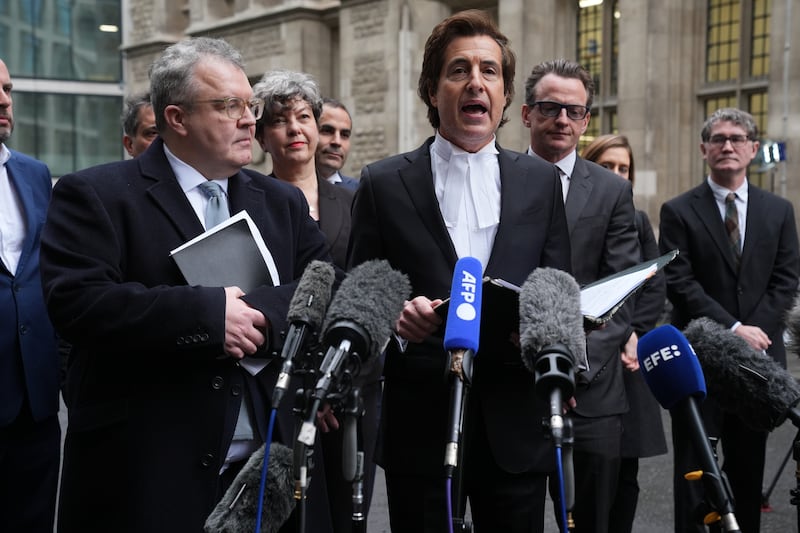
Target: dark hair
730, 114
336, 104
279, 88
595, 149
172, 75
130, 115
464, 24
563, 68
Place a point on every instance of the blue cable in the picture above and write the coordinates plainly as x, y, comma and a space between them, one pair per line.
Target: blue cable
449, 498
563, 509
264, 468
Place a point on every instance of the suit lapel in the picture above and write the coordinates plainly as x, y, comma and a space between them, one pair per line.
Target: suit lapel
756, 211
417, 178
166, 192
512, 201
331, 219
580, 189
705, 206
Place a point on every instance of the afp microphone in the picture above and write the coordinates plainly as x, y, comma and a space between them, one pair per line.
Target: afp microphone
236, 511
461, 340
552, 337
306, 311
743, 381
672, 371
359, 321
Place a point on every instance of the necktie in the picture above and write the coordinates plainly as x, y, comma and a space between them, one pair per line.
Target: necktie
732, 225
217, 208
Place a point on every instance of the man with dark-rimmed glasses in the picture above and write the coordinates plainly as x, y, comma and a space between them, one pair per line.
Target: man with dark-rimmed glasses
603, 238
738, 265
168, 383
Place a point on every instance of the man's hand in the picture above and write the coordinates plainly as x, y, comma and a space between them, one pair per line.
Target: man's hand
754, 336
629, 358
244, 326
326, 419
418, 320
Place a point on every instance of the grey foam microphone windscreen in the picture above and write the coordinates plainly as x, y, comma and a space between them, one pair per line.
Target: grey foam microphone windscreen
550, 313
745, 382
793, 328
371, 297
312, 295
236, 511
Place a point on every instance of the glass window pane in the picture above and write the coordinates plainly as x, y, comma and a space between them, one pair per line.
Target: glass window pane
62, 39
759, 54
590, 42
722, 40
67, 132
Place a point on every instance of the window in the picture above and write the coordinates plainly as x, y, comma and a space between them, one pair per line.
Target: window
737, 62
598, 52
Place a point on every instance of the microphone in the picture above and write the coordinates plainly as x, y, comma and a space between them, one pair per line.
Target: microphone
745, 382
358, 324
236, 511
552, 337
793, 328
461, 340
306, 311
673, 373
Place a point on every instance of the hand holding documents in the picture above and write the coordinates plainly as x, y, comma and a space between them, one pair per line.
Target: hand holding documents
599, 300
232, 253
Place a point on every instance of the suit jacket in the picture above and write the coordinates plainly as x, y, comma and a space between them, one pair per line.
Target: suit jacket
334, 217
153, 400
29, 364
396, 217
643, 434
602, 234
703, 280
348, 182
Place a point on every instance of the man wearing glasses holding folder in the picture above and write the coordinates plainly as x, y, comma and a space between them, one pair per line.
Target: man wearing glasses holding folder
166, 381
599, 210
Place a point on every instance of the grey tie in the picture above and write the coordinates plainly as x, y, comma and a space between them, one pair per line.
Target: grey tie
217, 208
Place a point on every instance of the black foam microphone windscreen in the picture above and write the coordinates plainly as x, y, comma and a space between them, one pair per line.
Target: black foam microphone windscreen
550, 313
236, 511
369, 299
306, 311
793, 328
745, 382
310, 299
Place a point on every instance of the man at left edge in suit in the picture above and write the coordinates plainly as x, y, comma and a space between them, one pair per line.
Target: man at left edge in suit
461, 194
30, 435
166, 399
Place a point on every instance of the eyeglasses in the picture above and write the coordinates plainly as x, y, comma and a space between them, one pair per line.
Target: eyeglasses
553, 109
235, 106
737, 141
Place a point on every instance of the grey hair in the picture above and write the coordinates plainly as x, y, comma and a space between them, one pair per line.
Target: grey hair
172, 78
279, 88
130, 115
730, 114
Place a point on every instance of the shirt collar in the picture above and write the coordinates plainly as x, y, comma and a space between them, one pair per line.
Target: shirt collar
188, 177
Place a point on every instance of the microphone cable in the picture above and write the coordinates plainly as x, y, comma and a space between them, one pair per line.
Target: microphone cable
264, 468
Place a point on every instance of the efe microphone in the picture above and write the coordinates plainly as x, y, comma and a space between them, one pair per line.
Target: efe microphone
552, 337
673, 373
306, 311
358, 323
743, 381
461, 340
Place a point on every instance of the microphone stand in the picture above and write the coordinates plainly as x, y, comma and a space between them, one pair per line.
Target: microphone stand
554, 379
461, 377
302, 461
353, 456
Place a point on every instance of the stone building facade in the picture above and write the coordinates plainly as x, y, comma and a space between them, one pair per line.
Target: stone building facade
367, 53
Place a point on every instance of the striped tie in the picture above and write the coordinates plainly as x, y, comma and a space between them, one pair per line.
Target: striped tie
732, 225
